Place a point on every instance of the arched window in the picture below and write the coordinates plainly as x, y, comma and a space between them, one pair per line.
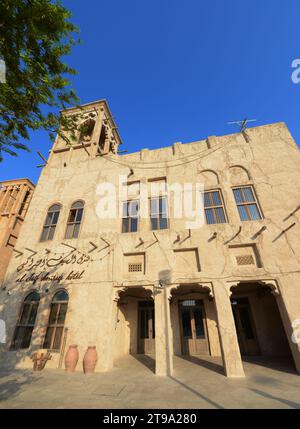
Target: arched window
26, 322
74, 219
247, 203
87, 129
56, 321
50, 222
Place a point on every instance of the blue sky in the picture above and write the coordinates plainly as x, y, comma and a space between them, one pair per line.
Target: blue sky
179, 71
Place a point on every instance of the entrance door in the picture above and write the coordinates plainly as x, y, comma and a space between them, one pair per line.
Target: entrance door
193, 328
245, 327
146, 327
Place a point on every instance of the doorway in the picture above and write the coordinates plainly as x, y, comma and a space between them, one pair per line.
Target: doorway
193, 328
146, 328
245, 328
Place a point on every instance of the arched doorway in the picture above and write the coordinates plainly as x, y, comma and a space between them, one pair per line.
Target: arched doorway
193, 321
259, 327
135, 325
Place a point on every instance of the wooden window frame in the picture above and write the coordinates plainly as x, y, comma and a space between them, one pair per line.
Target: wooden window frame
55, 326
130, 217
50, 225
145, 306
26, 325
214, 207
74, 223
247, 203
158, 214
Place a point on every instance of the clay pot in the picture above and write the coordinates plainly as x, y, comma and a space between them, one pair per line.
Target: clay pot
90, 360
71, 358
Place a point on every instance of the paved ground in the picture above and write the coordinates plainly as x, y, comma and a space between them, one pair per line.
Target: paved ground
196, 384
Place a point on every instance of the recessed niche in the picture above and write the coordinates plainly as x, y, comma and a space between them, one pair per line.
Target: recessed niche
246, 255
187, 260
134, 263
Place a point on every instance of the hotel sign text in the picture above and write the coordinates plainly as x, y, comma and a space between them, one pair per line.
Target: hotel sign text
39, 269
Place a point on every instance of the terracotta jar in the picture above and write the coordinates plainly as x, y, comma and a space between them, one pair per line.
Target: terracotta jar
90, 360
71, 358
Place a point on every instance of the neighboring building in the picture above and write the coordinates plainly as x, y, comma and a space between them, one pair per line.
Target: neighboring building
15, 197
153, 284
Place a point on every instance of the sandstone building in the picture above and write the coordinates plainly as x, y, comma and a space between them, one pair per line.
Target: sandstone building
15, 197
130, 284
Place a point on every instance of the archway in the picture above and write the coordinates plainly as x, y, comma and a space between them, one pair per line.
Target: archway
135, 325
194, 325
259, 327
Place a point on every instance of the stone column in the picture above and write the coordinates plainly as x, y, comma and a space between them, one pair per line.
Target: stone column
97, 132
20, 198
287, 299
231, 355
144, 218
113, 326
163, 335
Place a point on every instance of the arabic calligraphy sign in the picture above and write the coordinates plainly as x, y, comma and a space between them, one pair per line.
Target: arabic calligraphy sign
47, 264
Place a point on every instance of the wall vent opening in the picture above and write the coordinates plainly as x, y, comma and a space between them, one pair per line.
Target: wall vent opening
245, 260
134, 263
133, 268
245, 255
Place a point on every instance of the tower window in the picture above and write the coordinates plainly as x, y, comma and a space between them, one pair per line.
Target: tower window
87, 129
102, 139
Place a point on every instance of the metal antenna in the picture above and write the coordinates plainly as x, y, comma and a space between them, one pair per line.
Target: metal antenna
242, 124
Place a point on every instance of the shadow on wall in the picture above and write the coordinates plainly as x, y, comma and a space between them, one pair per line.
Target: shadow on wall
282, 364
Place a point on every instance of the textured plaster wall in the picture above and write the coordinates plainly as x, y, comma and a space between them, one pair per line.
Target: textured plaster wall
267, 158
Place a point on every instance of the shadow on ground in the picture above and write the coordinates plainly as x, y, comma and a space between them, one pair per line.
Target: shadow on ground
212, 366
290, 403
12, 383
147, 361
282, 364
